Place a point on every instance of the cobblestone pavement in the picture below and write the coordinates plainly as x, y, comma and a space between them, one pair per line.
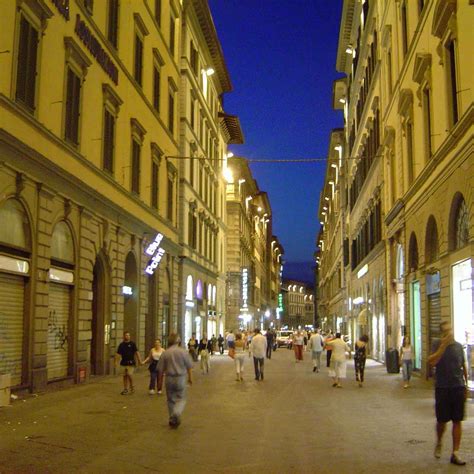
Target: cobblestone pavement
292, 422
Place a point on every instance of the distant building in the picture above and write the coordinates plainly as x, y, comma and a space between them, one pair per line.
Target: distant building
298, 304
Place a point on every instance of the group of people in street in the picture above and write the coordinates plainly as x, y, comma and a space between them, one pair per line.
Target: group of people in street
175, 364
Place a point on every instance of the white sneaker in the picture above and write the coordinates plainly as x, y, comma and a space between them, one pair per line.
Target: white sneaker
159, 392
152, 392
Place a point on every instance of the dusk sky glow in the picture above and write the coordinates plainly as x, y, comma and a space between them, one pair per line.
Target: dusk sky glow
281, 56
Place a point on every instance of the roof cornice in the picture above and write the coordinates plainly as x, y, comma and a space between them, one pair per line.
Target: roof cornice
347, 19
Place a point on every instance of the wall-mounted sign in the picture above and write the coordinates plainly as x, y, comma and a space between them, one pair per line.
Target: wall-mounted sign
245, 289
127, 290
280, 301
93, 45
156, 252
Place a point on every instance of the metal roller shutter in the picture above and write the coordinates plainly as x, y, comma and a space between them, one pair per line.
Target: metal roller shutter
434, 312
12, 299
58, 329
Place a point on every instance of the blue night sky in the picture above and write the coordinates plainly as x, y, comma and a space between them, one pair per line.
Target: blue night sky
281, 55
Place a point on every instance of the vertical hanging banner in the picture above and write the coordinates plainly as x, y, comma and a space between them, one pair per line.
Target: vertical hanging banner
156, 253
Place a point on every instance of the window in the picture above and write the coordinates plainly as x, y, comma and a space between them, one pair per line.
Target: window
73, 99
172, 34
452, 82
156, 88
403, 14
421, 5
155, 166
427, 121
409, 145
135, 180
138, 61
191, 170
26, 68
158, 12
112, 22
89, 4
194, 58
170, 198
171, 105
108, 141
462, 225
192, 111
389, 72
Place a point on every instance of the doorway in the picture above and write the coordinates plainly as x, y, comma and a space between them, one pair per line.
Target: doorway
416, 340
131, 298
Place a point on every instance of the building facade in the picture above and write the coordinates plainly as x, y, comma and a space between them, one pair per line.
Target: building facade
254, 255
407, 101
298, 304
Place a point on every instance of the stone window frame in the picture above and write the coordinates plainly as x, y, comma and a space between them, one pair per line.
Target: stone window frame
172, 102
78, 62
172, 174
405, 112
158, 63
388, 63
137, 135
140, 31
156, 159
111, 104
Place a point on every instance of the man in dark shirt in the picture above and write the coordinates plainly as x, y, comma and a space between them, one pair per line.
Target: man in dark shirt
128, 354
269, 335
450, 389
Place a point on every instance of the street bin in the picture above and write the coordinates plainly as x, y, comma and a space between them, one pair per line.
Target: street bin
391, 361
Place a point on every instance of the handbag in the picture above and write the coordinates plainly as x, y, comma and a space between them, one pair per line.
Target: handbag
231, 353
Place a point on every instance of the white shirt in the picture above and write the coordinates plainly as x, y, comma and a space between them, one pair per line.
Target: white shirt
230, 337
258, 346
339, 349
316, 343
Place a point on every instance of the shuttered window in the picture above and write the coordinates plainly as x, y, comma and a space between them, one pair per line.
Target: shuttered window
172, 35
135, 185
156, 89
26, 68
112, 22
138, 63
171, 112
73, 98
158, 12
169, 213
154, 184
109, 141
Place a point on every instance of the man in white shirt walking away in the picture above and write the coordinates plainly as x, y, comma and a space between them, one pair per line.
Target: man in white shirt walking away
337, 369
316, 346
258, 348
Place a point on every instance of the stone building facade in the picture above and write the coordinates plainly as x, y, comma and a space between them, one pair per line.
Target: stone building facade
298, 305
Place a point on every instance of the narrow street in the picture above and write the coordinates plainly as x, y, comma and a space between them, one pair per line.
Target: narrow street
293, 421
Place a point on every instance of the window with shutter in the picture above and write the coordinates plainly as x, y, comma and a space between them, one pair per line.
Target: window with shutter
135, 185
154, 184
109, 141
138, 63
156, 88
73, 97
112, 22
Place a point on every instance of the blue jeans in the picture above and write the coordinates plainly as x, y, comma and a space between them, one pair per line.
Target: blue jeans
176, 394
407, 367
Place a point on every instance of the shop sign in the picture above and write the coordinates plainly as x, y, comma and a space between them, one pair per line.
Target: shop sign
93, 45
245, 289
156, 253
280, 301
433, 283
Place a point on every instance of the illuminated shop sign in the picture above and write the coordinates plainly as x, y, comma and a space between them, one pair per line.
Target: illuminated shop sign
156, 253
127, 290
245, 289
93, 45
280, 301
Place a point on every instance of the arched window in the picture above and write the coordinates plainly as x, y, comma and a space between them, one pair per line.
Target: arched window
14, 225
400, 262
189, 288
413, 253
62, 245
458, 223
431, 241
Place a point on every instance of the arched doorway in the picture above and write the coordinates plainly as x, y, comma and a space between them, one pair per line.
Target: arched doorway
130, 313
100, 325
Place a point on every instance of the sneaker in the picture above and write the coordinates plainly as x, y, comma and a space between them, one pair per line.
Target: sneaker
132, 390
159, 392
241, 379
261, 377
173, 422
124, 392
339, 385
405, 386
151, 392
334, 384
457, 461
437, 451
314, 369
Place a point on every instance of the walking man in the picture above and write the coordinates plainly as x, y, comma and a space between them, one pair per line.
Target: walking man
269, 335
450, 389
316, 346
220, 342
337, 369
128, 354
258, 348
175, 363
230, 339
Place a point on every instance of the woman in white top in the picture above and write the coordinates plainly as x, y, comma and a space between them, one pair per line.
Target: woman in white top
239, 357
298, 342
406, 361
153, 358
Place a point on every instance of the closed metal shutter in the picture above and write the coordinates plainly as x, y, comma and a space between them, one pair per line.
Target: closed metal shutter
434, 312
58, 329
12, 299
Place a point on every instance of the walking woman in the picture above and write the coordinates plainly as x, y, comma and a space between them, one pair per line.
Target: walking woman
406, 361
239, 357
204, 350
193, 347
360, 355
154, 357
298, 342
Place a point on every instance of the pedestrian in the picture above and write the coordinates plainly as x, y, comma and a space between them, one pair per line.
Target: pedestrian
360, 355
239, 357
248, 342
154, 357
175, 363
451, 389
316, 346
258, 348
305, 340
337, 368
269, 335
406, 361
220, 343
193, 347
213, 345
129, 356
204, 352
230, 339
328, 348
298, 342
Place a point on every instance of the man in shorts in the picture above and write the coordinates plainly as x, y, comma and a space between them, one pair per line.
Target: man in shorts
450, 389
128, 354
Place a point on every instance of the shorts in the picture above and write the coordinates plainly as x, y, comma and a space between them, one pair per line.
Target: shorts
450, 404
127, 369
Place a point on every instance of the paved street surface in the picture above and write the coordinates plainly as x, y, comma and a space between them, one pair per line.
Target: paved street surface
292, 422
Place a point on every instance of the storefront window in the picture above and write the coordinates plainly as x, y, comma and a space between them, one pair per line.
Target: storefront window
62, 247
14, 225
